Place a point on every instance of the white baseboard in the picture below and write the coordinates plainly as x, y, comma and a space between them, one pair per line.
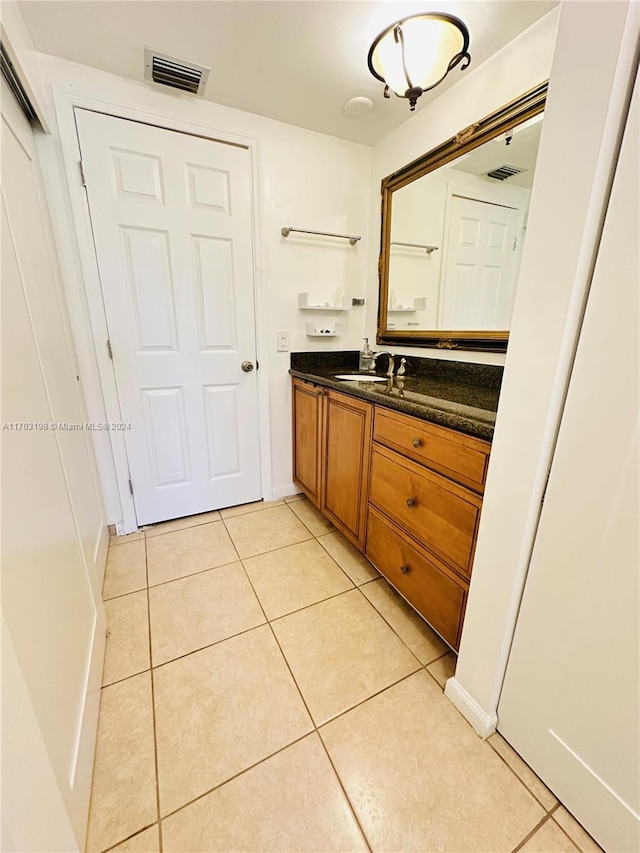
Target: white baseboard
285, 491
484, 723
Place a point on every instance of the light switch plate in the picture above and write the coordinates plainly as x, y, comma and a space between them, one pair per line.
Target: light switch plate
283, 340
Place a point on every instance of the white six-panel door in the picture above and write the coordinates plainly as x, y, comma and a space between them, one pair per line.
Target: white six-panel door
479, 271
171, 217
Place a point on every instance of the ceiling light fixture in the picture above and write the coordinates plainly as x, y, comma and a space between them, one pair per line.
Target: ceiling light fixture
416, 53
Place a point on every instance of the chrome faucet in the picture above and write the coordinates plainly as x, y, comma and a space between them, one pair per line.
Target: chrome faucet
374, 356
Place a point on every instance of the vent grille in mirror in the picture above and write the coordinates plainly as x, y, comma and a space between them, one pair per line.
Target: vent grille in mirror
504, 172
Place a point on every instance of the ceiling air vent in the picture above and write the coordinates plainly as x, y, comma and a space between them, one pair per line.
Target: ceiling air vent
504, 172
174, 72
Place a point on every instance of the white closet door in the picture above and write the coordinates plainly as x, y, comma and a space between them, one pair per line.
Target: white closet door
478, 276
171, 216
571, 699
51, 517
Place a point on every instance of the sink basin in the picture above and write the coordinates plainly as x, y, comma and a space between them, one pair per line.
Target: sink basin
360, 377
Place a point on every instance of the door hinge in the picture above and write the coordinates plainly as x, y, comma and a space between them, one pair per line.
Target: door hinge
110, 350
515, 243
130, 486
82, 174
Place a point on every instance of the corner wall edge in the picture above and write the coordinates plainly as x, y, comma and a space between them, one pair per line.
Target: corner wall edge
484, 723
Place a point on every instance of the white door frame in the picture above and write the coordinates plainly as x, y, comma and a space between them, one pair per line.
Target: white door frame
93, 356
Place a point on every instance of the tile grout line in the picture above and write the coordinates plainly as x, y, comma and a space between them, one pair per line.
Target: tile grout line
193, 574
208, 646
313, 722
402, 640
531, 833
549, 811
153, 702
129, 837
124, 594
564, 831
346, 795
126, 677
232, 778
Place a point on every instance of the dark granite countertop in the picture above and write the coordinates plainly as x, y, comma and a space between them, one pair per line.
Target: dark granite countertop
460, 395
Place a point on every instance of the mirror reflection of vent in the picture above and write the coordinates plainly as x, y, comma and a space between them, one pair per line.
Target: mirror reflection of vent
504, 172
174, 72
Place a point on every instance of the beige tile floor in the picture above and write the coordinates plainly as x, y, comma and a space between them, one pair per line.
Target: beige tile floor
265, 689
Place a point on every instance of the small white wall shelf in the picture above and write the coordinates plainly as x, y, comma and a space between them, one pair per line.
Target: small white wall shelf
305, 305
321, 330
419, 304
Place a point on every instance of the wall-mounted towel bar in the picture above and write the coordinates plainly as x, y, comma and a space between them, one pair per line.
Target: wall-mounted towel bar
350, 237
428, 249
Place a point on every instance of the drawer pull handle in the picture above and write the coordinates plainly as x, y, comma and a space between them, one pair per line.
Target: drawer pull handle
416, 442
405, 570
411, 503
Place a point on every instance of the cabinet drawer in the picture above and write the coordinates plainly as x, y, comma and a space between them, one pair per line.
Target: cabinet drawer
441, 515
462, 458
433, 593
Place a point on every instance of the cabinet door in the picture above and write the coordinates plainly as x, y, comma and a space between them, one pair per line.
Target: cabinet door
307, 438
347, 448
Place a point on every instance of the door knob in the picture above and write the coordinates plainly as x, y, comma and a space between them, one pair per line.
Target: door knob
411, 503
405, 570
247, 366
416, 442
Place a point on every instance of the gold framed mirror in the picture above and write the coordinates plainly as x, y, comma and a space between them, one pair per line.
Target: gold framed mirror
452, 230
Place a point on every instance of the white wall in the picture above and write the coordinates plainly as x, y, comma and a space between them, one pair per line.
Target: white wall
305, 179
590, 83
520, 65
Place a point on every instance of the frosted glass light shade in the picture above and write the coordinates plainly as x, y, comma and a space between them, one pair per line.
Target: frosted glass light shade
416, 53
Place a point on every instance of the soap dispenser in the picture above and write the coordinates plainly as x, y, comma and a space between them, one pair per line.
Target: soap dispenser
365, 356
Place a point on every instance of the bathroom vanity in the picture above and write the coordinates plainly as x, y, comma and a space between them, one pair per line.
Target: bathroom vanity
399, 467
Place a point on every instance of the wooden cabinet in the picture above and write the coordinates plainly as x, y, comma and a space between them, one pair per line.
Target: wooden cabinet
331, 448
347, 447
460, 457
406, 492
434, 592
308, 422
425, 498
437, 512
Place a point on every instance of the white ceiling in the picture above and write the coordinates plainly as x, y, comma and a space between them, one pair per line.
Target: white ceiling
297, 61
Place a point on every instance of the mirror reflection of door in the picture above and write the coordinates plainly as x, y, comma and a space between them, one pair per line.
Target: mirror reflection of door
480, 266
457, 235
